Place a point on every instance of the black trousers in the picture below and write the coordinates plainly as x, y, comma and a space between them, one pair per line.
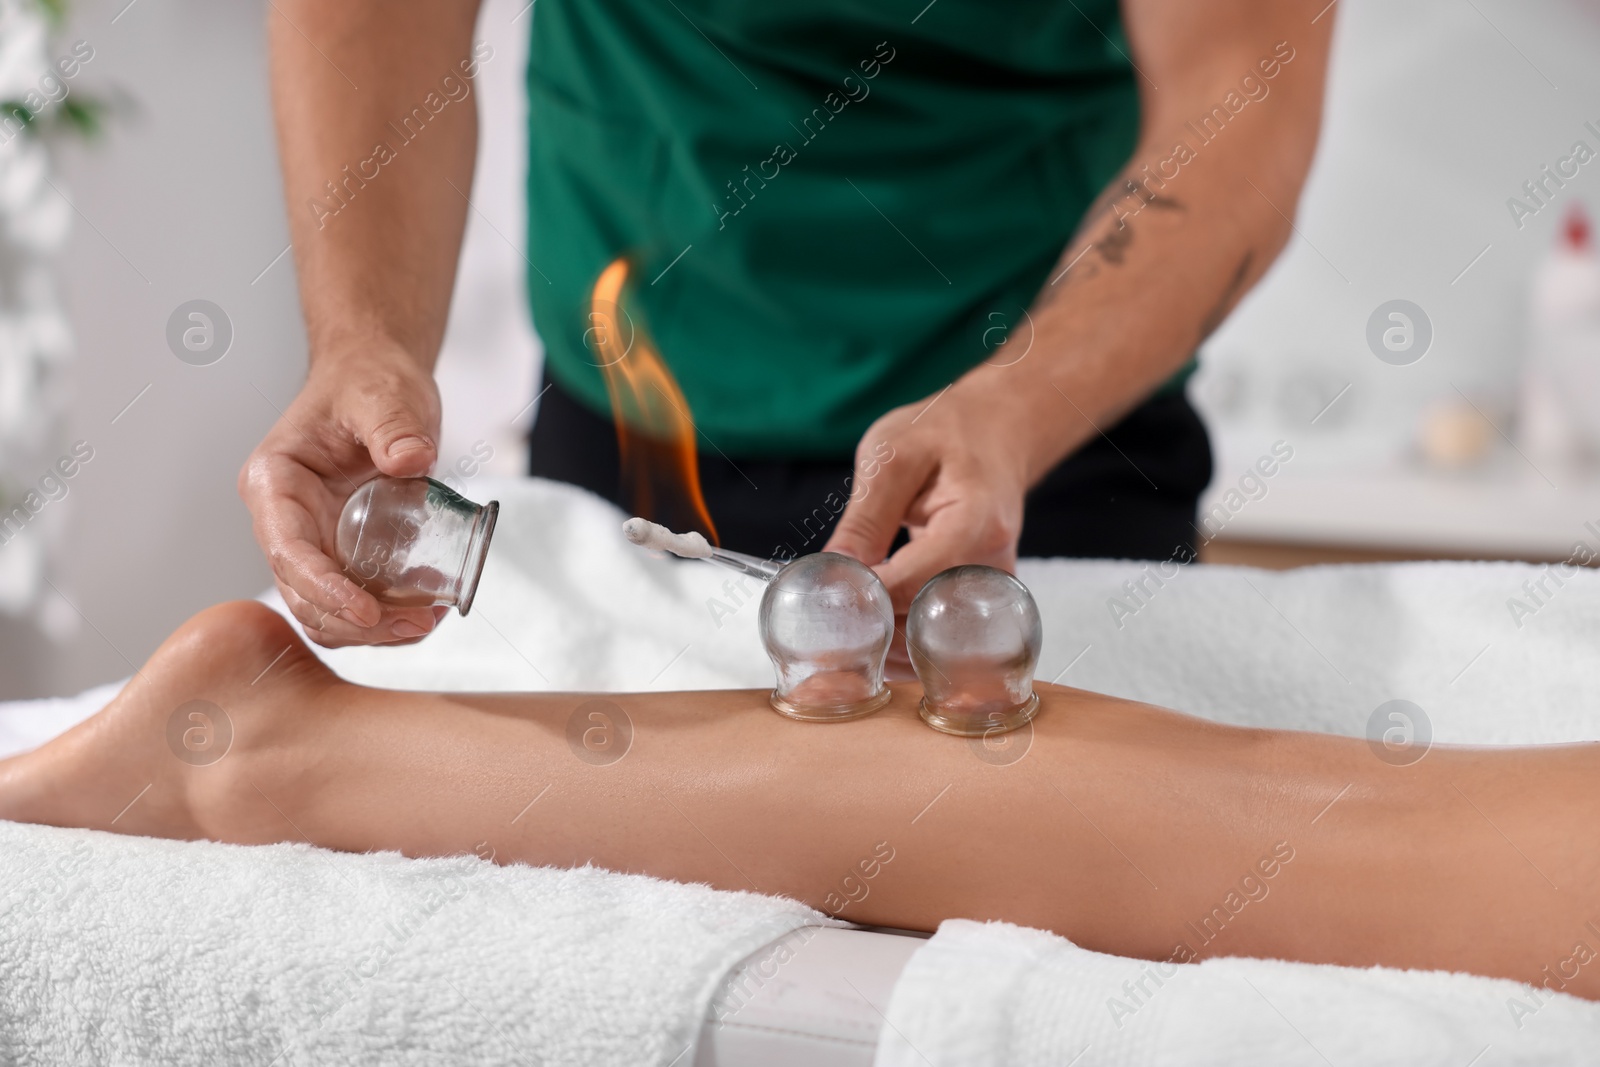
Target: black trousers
1129, 494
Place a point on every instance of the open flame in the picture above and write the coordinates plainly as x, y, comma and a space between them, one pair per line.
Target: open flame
655, 432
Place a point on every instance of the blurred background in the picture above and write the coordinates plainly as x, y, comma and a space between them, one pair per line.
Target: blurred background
1411, 350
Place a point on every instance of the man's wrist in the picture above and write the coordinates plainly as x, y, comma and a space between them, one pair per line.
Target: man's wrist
337, 348
1027, 414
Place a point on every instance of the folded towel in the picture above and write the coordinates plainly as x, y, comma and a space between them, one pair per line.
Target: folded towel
997, 995
132, 950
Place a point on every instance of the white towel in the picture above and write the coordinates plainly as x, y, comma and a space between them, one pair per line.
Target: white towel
1320, 648
997, 995
133, 950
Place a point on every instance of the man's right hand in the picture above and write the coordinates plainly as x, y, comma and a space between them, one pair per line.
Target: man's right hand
359, 415
376, 264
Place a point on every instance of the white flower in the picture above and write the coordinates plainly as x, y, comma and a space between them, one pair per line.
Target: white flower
24, 45
35, 337
21, 573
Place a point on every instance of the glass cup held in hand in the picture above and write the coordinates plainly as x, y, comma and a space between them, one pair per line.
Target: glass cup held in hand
415, 542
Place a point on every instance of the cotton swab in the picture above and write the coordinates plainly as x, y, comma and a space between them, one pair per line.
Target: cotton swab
647, 534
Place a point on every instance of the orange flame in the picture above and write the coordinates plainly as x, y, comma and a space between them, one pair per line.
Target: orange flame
655, 433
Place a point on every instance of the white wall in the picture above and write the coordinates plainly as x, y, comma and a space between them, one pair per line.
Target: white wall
181, 200
1438, 112
178, 201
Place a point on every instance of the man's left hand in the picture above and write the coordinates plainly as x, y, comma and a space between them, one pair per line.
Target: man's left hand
953, 469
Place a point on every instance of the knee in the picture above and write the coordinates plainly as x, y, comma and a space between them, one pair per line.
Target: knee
233, 631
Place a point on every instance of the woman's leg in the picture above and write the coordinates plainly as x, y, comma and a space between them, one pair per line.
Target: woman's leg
1125, 827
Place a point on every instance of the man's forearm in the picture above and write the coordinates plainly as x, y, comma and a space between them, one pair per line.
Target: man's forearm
377, 132
1171, 245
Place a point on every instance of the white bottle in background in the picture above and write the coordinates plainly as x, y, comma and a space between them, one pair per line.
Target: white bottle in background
1558, 417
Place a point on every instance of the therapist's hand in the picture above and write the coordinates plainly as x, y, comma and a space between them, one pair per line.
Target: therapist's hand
360, 413
953, 469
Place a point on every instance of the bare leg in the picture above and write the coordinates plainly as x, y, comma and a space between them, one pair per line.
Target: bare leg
1125, 827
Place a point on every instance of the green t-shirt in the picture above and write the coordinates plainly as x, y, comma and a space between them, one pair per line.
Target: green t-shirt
833, 207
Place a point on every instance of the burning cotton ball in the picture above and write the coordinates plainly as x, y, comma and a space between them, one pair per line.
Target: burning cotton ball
658, 538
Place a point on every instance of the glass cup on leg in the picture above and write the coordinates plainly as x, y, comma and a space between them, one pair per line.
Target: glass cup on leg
827, 622
974, 636
415, 542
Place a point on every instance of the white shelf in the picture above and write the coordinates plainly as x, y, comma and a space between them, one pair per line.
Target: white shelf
1505, 509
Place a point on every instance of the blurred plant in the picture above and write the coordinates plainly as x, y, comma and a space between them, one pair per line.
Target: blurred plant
76, 115
35, 337
70, 112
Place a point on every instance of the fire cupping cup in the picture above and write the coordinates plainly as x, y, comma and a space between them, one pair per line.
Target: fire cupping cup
974, 636
826, 623
415, 542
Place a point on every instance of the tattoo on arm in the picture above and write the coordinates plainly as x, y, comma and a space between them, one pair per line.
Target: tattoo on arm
1111, 249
